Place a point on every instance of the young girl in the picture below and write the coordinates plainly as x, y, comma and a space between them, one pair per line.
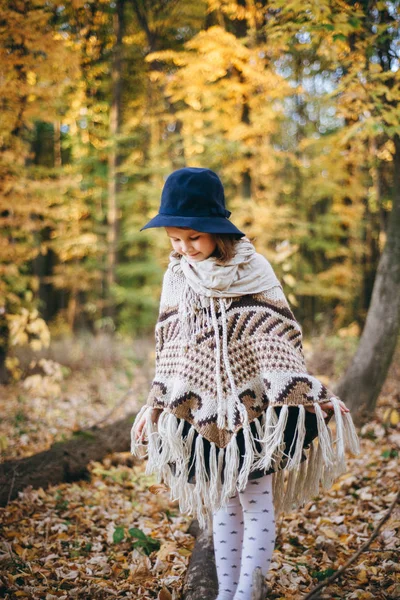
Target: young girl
234, 424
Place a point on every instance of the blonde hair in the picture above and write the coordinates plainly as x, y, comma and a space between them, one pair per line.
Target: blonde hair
225, 248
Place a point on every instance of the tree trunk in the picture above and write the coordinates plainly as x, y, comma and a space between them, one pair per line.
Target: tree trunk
57, 145
113, 158
4, 343
362, 382
201, 581
64, 461
260, 588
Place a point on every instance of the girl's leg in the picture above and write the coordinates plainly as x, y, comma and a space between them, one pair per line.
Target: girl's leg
259, 532
228, 538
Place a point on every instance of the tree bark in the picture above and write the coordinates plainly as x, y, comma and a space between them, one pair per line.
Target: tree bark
4, 345
260, 588
64, 461
201, 581
363, 381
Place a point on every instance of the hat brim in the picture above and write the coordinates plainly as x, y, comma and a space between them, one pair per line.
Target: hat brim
203, 224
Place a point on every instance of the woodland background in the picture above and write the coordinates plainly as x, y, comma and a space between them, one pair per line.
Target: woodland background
296, 105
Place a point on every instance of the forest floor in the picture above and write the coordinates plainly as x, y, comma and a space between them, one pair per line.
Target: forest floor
119, 536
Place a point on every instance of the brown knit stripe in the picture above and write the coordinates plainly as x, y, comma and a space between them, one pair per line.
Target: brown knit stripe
173, 332
271, 324
282, 332
257, 322
323, 394
232, 324
241, 325
254, 300
194, 399
298, 385
167, 313
294, 334
209, 335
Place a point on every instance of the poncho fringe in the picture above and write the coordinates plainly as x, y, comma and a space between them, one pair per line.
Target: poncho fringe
294, 485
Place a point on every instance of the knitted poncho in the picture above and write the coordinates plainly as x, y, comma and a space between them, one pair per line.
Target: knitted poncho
222, 362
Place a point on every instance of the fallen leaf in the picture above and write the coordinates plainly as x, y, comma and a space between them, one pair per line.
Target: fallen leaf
164, 595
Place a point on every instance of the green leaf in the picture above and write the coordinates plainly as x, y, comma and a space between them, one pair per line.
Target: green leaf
354, 22
392, 453
320, 575
137, 533
146, 543
118, 535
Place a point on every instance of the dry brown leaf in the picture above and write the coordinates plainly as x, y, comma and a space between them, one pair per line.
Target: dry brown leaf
329, 533
166, 550
164, 595
158, 488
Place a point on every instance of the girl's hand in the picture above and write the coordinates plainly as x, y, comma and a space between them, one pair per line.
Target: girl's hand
328, 406
140, 426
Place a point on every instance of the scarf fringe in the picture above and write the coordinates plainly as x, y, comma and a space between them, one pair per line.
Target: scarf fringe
296, 483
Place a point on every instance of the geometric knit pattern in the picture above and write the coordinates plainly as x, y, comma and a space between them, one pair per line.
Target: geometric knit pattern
264, 343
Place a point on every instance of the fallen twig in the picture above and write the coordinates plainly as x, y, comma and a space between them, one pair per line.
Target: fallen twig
113, 410
353, 558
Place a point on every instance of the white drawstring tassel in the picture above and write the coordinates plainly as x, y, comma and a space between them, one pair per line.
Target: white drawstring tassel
184, 310
221, 416
227, 365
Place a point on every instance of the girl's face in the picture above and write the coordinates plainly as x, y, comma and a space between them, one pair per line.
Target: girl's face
194, 245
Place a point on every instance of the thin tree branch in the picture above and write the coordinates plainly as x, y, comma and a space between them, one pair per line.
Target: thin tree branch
353, 558
114, 409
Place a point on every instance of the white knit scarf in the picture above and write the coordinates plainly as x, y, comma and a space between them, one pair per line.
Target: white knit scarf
248, 272
209, 282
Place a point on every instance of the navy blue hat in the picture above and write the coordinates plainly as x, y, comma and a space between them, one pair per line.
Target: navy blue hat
194, 198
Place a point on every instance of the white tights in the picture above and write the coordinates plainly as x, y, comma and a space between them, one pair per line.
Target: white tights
244, 538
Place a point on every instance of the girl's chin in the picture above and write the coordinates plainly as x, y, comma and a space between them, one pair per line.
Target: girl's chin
194, 257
